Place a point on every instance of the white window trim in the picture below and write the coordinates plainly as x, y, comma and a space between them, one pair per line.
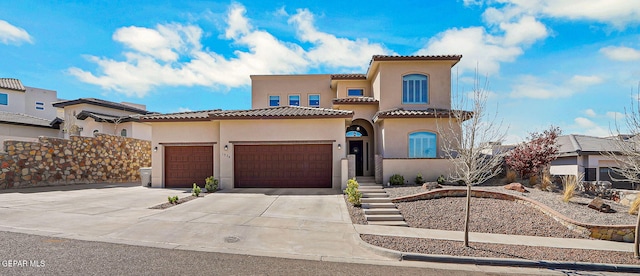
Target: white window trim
269, 100
428, 94
289, 99
309, 99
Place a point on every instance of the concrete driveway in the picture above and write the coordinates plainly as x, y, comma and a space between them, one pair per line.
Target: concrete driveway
308, 224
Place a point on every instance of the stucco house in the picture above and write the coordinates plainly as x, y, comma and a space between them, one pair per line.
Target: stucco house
315, 130
587, 154
87, 116
26, 112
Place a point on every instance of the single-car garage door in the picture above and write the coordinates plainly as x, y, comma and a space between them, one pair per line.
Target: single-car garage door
185, 165
283, 166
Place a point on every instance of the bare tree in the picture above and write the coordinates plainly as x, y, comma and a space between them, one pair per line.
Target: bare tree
464, 139
627, 155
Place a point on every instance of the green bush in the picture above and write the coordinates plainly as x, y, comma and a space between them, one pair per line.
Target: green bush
354, 196
195, 190
172, 199
419, 179
441, 179
396, 179
211, 184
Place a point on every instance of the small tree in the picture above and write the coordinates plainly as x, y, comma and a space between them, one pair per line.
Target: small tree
463, 140
529, 158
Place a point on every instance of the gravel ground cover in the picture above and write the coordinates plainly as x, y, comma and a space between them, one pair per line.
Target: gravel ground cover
576, 209
356, 213
455, 248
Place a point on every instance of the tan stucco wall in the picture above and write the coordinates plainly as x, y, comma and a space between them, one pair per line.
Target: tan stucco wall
284, 85
396, 132
172, 133
409, 169
390, 83
281, 130
25, 133
344, 85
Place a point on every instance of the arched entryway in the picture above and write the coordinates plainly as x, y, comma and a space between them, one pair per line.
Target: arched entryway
359, 137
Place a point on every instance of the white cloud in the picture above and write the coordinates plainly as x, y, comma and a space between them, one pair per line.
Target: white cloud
588, 127
172, 55
10, 34
526, 31
621, 53
528, 86
615, 115
590, 113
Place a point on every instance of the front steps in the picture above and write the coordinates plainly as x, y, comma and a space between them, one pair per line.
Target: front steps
377, 206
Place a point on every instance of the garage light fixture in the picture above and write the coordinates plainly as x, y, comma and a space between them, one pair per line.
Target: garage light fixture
339, 146
226, 147
155, 149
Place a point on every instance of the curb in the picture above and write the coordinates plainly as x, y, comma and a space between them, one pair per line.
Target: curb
582, 266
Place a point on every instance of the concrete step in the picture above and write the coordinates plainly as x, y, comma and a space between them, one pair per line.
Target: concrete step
376, 200
372, 191
384, 217
378, 205
371, 188
369, 184
381, 211
374, 195
389, 223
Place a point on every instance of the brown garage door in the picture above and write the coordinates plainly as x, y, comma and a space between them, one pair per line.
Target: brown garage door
282, 166
185, 165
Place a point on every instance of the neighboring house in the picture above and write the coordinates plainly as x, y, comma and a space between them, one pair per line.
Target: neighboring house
87, 116
302, 128
26, 112
587, 154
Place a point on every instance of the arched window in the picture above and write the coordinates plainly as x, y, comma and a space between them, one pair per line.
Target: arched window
356, 131
422, 145
95, 131
123, 133
414, 89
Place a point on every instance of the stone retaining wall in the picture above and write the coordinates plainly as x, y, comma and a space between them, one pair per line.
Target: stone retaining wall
623, 233
56, 161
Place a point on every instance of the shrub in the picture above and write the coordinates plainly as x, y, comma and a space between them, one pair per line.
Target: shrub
533, 180
172, 199
633, 209
441, 179
569, 183
511, 176
419, 179
211, 184
529, 158
545, 185
396, 179
196, 190
354, 196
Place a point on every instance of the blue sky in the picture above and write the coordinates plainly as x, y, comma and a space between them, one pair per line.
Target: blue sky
570, 63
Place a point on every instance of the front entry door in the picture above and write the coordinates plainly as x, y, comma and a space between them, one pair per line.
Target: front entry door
355, 148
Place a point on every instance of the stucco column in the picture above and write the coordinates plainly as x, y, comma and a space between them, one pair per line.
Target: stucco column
352, 165
378, 170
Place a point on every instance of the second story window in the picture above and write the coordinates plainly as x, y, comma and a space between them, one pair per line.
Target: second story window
4, 100
123, 133
294, 100
314, 100
274, 100
39, 106
414, 89
355, 92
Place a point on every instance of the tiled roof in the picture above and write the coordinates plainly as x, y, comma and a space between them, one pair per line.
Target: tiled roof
282, 112
573, 144
12, 84
202, 115
435, 57
348, 77
425, 113
101, 117
23, 119
103, 103
355, 100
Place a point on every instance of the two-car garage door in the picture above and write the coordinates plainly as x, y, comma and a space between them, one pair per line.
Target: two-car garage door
283, 166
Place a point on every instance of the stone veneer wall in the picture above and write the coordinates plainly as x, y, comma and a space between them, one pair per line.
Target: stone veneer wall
55, 161
623, 233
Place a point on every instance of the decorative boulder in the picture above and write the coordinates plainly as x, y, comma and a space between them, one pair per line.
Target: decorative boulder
598, 204
430, 185
516, 187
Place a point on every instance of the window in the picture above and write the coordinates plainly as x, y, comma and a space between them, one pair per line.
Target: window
274, 100
422, 145
294, 100
355, 92
414, 89
39, 106
123, 133
314, 100
4, 99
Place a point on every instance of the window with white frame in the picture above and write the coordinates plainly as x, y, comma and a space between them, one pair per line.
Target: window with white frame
314, 100
294, 100
274, 100
355, 92
123, 133
414, 89
4, 99
39, 106
422, 145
